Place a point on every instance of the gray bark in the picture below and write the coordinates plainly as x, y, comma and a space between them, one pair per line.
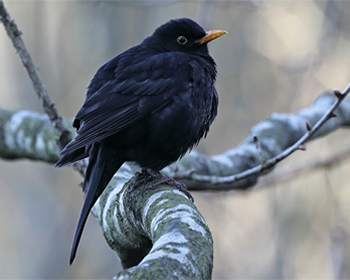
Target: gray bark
162, 230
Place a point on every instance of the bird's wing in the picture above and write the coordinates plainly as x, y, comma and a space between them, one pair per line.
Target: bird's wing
135, 91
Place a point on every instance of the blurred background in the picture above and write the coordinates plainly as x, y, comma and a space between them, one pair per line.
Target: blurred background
278, 56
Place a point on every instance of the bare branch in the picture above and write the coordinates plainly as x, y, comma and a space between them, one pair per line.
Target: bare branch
279, 136
289, 172
49, 106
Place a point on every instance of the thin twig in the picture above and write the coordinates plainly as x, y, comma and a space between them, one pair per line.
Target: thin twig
268, 164
287, 172
49, 106
64, 135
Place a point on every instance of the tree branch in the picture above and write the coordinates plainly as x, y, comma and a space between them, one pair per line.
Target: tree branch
49, 106
26, 134
278, 136
288, 172
165, 217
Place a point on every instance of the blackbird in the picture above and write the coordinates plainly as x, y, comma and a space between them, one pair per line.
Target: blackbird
148, 105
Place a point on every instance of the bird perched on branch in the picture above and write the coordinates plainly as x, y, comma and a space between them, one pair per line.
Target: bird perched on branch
148, 105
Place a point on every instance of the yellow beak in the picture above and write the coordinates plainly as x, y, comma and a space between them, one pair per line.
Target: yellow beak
210, 35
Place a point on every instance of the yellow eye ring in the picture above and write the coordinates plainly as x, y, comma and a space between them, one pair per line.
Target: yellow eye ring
182, 40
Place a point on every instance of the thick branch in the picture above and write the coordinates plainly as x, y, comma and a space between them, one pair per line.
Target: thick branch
161, 232
30, 135
26, 134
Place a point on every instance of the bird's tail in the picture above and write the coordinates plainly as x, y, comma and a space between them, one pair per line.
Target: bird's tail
101, 168
67, 158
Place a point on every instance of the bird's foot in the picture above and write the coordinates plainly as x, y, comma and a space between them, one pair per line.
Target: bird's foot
161, 179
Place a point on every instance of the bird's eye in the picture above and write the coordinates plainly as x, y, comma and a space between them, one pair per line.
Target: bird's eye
182, 40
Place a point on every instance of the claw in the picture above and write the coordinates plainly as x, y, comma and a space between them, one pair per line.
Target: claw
161, 179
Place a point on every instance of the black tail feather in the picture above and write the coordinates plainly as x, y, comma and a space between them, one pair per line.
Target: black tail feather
101, 168
68, 158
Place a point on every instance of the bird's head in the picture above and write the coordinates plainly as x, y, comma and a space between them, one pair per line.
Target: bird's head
183, 35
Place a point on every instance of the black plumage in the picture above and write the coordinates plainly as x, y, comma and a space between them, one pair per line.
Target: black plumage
148, 105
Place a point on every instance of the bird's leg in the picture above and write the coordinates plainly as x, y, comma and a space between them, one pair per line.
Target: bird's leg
160, 179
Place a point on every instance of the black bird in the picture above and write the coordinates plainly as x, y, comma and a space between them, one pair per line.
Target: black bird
148, 105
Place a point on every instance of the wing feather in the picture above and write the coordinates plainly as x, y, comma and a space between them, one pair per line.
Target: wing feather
129, 96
